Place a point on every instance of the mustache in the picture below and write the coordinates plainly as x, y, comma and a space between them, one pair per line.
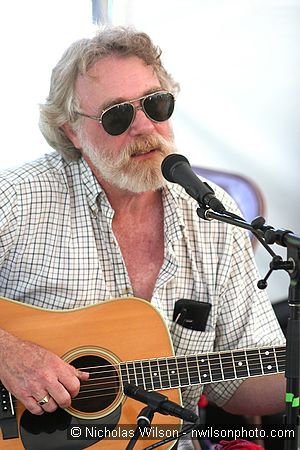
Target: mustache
145, 143
141, 144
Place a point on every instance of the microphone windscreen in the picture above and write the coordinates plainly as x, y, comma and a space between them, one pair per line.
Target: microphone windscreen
169, 163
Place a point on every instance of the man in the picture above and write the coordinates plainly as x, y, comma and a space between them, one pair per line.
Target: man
97, 220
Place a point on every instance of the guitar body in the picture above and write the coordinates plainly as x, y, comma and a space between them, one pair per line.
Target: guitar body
104, 334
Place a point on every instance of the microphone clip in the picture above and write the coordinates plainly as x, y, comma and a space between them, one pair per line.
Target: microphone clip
154, 400
145, 417
203, 210
276, 264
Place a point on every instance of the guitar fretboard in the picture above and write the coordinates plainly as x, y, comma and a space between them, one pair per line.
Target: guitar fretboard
179, 371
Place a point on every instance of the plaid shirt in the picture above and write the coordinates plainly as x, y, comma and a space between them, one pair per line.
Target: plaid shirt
58, 250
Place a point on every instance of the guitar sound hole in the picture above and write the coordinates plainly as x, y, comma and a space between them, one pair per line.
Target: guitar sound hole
102, 387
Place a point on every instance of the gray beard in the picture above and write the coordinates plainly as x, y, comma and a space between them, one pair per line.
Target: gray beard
126, 173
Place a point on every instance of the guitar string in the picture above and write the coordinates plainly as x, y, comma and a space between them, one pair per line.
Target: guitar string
163, 374
251, 358
77, 398
188, 367
116, 388
161, 388
210, 357
177, 375
116, 391
167, 371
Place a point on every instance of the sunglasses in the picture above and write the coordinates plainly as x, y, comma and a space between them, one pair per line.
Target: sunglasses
116, 119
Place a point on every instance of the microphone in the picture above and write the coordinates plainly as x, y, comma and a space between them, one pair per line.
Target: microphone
160, 403
177, 169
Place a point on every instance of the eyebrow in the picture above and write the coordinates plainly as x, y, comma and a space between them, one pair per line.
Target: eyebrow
117, 100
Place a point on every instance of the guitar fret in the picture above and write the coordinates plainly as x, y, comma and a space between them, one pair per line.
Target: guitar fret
160, 375
187, 370
131, 373
261, 364
227, 366
182, 371
254, 362
209, 368
240, 364
268, 360
177, 368
246, 362
215, 367
193, 369
173, 372
155, 374
147, 375
275, 357
221, 366
280, 357
124, 373
164, 373
232, 358
204, 369
139, 374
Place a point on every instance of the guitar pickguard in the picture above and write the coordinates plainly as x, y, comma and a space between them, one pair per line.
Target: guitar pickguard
50, 431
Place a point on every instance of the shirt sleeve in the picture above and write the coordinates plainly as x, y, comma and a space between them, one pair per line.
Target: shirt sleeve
8, 218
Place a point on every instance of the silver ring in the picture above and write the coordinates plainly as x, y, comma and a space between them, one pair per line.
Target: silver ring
44, 400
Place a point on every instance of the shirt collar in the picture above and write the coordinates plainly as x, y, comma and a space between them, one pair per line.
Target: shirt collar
172, 197
173, 218
93, 188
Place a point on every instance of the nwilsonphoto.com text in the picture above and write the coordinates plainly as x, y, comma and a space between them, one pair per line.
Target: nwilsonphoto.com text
159, 432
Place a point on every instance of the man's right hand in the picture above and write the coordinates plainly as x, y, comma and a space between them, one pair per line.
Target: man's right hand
31, 373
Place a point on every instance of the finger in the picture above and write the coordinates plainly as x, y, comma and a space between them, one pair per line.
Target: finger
72, 382
32, 405
60, 395
50, 406
83, 376
45, 401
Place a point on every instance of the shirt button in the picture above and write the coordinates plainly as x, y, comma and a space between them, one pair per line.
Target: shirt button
125, 291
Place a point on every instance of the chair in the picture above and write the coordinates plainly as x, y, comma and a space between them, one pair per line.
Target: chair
242, 189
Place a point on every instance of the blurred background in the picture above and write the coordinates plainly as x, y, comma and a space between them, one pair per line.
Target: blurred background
238, 64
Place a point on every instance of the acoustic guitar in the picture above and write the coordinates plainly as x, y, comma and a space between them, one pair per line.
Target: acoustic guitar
118, 341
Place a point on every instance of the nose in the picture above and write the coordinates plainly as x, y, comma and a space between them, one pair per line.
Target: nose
141, 123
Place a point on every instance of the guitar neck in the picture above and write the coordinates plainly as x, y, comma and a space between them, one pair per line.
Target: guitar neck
181, 371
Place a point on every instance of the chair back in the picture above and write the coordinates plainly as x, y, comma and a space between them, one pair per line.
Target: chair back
243, 190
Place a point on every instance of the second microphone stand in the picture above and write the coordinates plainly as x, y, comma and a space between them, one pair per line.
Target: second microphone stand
144, 420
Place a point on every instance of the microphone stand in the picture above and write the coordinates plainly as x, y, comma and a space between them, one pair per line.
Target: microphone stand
155, 402
285, 238
144, 420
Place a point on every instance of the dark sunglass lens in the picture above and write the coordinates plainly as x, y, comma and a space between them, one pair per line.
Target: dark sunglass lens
117, 119
160, 106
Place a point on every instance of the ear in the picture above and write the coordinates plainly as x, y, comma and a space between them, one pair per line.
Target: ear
71, 134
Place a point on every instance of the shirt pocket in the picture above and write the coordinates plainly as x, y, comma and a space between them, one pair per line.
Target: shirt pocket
189, 342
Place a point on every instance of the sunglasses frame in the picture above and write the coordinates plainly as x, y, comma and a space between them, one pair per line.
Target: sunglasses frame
135, 109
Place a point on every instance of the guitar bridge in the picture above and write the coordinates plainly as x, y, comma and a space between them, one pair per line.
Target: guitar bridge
8, 420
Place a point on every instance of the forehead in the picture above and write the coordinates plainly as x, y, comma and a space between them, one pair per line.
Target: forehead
115, 78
